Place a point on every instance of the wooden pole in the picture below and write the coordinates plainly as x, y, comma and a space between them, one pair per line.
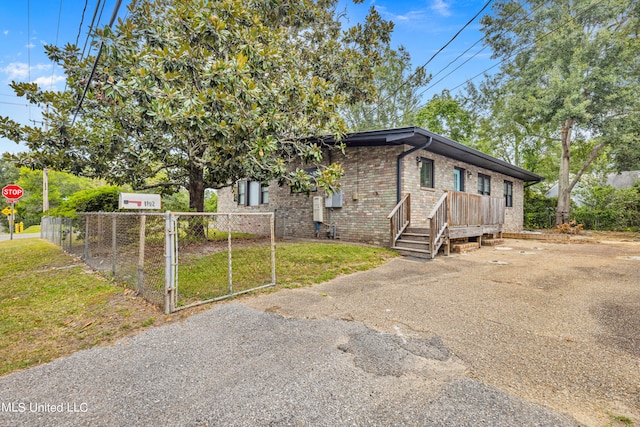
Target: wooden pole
143, 220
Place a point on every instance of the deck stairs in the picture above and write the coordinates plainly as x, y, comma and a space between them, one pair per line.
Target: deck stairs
414, 242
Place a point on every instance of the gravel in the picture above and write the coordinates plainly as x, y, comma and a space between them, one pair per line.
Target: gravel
237, 366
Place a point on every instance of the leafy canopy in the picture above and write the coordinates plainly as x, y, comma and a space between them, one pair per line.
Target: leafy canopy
200, 93
571, 69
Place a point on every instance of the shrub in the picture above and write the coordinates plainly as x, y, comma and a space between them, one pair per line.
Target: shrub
103, 199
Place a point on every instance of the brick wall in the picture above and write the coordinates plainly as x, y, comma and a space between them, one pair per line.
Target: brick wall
369, 194
423, 199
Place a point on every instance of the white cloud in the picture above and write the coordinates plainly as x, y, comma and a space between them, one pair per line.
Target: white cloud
30, 46
5, 32
20, 70
441, 7
48, 82
16, 71
411, 16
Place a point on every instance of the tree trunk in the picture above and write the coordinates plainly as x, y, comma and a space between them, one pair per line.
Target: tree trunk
196, 201
564, 188
196, 188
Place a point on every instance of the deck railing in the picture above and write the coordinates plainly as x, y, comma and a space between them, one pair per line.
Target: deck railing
400, 218
438, 223
469, 210
464, 209
492, 210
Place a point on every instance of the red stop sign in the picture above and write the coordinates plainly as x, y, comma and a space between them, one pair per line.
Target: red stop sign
12, 192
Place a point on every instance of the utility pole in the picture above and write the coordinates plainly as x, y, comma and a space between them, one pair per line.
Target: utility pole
45, 190
45, 177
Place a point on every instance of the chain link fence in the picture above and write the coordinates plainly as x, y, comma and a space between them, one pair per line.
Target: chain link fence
174, 260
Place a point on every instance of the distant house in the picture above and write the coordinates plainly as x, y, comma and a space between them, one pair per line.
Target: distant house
626, 179
406, 188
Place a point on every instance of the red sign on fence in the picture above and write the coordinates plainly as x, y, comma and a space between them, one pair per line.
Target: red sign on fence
12, 193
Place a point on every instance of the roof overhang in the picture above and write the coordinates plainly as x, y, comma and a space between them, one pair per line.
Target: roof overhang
415, 137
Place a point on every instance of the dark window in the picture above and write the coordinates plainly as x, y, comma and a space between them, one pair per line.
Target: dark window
242, 192
252, 193
484, 184
426, 172
458, 179
508, 194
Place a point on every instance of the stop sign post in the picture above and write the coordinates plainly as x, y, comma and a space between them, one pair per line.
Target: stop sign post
12, 193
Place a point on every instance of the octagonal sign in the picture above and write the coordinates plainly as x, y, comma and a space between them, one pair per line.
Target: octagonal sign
12, 193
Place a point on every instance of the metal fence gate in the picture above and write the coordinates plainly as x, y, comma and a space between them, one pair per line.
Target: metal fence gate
174, 260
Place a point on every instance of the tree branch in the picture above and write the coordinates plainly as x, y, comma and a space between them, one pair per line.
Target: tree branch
159, 185
592, 156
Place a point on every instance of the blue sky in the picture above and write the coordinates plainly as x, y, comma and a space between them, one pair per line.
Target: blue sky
422, 26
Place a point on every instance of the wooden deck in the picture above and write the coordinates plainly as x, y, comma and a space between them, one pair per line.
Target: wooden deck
456, 216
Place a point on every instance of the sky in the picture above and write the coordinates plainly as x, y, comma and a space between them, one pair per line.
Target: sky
421, 26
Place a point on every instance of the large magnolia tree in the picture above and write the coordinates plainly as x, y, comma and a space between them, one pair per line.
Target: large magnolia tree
570, 68
200, 93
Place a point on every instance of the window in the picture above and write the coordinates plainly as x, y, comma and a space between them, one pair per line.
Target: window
508, 194
484, 184
426, 172
242, 192
252, 193
458, 179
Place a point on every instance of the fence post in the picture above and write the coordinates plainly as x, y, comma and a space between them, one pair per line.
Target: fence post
70, 226
114, 244
230, 268
168, 256
86, 237
273, 248
143, 219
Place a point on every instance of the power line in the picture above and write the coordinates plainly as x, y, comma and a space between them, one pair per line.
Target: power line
423, 66
518, 51
93, 20
95, 63
478, 52
15, 103
86, 3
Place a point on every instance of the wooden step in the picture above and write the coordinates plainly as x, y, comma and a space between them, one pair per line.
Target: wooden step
416, 253
412, 244
415, 236
417, 230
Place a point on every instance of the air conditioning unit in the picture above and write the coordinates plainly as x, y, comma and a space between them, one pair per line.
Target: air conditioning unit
318, 209
334, 200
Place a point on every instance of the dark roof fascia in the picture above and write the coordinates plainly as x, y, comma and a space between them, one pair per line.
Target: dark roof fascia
415, 136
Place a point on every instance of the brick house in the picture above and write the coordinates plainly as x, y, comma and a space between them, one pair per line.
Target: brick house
395, 181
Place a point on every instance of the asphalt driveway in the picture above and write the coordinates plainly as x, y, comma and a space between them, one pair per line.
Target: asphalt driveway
557, 324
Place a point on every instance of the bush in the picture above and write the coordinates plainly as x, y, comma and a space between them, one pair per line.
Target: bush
608, 208
103, 199
539, 211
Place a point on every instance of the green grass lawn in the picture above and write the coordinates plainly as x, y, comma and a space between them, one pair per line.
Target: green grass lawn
297, 264
34, 229
54, 305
